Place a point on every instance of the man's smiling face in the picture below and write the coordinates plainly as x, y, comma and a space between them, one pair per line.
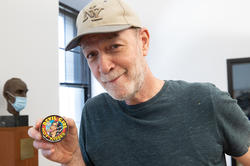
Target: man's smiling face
117, 61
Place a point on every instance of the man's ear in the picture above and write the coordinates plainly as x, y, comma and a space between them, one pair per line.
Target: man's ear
144, 34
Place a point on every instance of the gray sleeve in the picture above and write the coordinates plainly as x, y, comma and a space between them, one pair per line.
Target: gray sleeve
233, 125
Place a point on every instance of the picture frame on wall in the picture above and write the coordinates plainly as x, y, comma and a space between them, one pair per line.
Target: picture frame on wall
238, 74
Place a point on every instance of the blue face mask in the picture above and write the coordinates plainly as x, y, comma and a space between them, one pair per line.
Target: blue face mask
19, 104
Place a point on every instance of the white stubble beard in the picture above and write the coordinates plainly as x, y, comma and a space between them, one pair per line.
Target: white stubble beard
134, 85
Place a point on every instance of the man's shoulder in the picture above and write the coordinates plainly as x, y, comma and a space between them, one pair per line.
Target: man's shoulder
190, 87
97, 100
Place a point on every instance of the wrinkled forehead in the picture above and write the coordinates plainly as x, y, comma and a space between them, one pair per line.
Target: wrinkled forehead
92, 39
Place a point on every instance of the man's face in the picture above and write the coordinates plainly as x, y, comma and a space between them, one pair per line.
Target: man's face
117, 61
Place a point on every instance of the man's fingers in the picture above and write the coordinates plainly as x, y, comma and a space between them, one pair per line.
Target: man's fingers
34, 133
47, 153
38, 124
43, 145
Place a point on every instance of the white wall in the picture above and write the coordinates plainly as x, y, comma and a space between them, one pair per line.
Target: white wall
28, 47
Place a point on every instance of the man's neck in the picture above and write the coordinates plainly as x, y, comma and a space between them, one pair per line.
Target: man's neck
150, 87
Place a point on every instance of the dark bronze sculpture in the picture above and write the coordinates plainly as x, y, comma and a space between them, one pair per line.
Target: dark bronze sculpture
15, 92
13, 89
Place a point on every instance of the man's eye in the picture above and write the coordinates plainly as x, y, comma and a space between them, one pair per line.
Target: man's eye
114, 46
91, 55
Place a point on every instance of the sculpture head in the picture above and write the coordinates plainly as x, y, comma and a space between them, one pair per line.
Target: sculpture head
14, 92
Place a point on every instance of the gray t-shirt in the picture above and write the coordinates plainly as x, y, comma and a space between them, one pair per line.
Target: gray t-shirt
191, 124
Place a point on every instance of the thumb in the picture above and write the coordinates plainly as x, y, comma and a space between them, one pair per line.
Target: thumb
72, 125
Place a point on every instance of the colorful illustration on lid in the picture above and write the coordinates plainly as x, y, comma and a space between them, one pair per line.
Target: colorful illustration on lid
54, 128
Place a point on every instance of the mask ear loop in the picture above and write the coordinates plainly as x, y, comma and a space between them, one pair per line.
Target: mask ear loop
11, 96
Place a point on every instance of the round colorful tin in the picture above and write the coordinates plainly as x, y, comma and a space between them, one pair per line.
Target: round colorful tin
54, 128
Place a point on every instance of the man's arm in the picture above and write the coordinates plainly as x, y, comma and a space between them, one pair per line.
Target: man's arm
245, 159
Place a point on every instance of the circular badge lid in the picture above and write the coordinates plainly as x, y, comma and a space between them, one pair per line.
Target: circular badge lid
54, 128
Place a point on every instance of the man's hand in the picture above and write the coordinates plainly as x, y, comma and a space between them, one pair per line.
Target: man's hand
245, 159
66, 152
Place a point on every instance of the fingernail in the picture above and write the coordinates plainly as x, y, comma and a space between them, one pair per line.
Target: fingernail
35, 144
29, 132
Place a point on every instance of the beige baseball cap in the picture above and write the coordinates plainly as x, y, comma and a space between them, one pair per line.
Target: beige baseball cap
103, 16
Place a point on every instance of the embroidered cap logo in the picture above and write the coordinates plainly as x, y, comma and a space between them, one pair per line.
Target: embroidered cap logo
93, 14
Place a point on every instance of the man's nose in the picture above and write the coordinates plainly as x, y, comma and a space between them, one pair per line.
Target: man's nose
105, 63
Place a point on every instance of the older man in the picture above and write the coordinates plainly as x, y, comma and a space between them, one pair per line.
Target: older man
143, 120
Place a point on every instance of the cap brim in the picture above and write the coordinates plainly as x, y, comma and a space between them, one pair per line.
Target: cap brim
103, 29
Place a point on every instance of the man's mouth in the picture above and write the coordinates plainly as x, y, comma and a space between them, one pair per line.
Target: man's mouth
112, 79
115, 79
